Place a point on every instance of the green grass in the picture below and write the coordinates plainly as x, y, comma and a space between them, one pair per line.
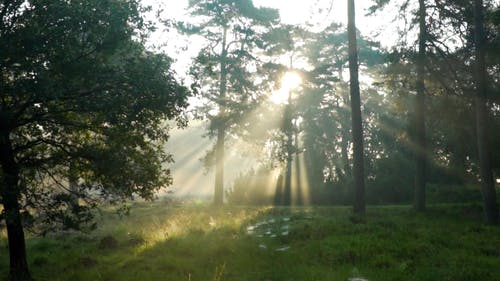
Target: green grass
162, 242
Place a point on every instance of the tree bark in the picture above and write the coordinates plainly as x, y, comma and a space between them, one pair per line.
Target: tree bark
357, 127
298, 173
344, 143
485, 168
278, 195
219, 168
221, 130
10, 193
287, 193
420, 142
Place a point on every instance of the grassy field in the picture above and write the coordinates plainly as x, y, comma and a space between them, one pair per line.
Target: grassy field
195, 242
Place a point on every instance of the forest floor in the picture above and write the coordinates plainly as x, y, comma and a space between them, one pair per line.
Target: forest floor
158, 241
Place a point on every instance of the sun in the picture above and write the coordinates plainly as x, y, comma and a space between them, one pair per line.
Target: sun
289, 81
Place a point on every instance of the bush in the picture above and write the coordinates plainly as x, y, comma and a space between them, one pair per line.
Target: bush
453, 193
253, 188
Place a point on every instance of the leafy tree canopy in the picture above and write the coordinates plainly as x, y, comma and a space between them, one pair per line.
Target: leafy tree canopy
82, 99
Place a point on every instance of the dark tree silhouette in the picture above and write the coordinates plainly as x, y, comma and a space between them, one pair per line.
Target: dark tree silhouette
481, 101
78, 89
419, 131
357, 127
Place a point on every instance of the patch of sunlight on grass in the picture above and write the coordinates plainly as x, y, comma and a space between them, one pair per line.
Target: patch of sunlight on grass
157, 223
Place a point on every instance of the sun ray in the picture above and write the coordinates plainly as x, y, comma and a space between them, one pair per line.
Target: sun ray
289, 81
300, 186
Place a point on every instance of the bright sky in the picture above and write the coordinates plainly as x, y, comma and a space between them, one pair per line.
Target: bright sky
291, 11
300, 11
319, 12
294, 11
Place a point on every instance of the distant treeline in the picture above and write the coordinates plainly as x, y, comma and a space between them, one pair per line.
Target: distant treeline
262, 187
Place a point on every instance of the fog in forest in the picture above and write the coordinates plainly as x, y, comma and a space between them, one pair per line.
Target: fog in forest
249, 140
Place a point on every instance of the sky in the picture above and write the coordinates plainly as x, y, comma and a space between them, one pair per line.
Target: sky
319, 12
292, 11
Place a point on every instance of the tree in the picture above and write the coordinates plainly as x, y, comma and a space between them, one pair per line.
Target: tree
481, 101
286, 41
80, 98
419, 131
328, 116
357, 127
224, 67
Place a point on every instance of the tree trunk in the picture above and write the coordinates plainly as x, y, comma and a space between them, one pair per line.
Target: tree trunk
287, 196
420, 143
221, 130
298, 174
344, 114
10, 194
278, 195
357, 128
485, 169
219, 168
73, 185
344, 145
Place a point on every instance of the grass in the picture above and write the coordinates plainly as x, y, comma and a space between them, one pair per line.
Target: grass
195, 242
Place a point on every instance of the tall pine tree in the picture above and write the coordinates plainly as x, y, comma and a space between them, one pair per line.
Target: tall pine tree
358, 171
225, 66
